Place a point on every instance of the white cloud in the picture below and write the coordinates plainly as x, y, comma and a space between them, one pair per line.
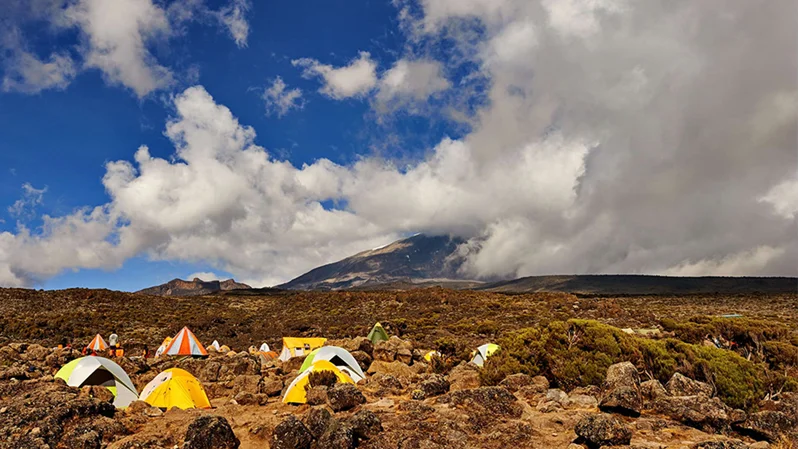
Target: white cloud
589, 151
233, 17
411, 81
31, 197
740, 264
25, 72
280, 100
204, 276
579, 17
116, 38
356, 79
783, 197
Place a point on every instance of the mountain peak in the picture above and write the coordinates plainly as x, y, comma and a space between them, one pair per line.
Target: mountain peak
417, 259
195, 287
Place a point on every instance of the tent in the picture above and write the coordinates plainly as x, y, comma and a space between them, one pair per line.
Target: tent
97, 344
163, 346
295, 393
297, 347
215, 346
264, 348
100, 371
428, 356
175, 388
185, 343
339, 357
483, 352
377, 333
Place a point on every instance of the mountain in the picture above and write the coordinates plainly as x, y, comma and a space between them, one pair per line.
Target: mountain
197, 287
420, 260
644, 285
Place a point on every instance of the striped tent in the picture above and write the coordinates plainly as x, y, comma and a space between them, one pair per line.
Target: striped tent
97, 344
185, 343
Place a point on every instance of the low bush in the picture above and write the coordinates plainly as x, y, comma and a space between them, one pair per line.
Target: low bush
578, 353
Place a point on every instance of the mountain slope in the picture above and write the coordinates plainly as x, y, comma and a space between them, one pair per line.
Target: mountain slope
196, 287
418, 259
644, 285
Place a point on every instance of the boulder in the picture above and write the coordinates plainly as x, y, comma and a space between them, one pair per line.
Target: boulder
770, 425
365, 425
435, 385
602, 429
317, 421
271, 386
463, 376
389, 381
621, 390
515, 382
680, 385
291, 434
496, 401
580, 402
652, 389
338, 435
395, 368
210, 432
344, 397
316, 395
363, 359
393, 349
699, 411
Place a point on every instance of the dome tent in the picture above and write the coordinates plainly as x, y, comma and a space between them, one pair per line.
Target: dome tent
175, 388
100, 371
296, 393
483, 352
339, 357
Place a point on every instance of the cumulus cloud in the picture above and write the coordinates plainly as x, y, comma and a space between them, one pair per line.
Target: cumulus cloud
356, 79
116, 36
280, 100
410, 82
610, 137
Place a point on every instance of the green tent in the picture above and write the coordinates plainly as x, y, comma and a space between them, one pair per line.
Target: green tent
377, 333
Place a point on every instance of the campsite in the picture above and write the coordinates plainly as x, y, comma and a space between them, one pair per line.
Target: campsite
397, 369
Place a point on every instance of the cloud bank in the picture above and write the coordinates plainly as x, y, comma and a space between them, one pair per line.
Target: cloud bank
612, 137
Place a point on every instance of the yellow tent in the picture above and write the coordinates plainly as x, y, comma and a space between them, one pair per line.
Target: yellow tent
297, 347
295, 393
175, 388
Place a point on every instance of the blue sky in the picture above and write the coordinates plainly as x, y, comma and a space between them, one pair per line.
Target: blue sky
61, 139
555, 137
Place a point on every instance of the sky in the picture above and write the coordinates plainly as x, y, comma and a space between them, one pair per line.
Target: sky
144, 140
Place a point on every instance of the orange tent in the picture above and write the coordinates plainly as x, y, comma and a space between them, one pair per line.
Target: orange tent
97, 344
185, 343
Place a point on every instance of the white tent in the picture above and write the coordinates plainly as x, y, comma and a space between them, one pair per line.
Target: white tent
215, 345
100, 371
264, 348
339, 357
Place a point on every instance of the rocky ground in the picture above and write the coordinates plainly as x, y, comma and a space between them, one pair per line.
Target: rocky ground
403, 403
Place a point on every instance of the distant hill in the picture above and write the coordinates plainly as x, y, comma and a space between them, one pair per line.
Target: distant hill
644, 285
196, 287
416, 261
